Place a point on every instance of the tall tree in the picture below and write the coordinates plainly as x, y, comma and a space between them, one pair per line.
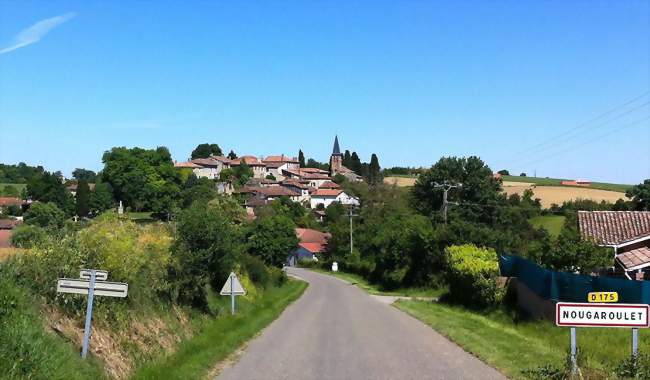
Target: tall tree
83, 198
301, 158
640, 195
272, 239
49, 188
232, 155
347, 159
101, 199
374, 170
206, 150
83, 174
355, 164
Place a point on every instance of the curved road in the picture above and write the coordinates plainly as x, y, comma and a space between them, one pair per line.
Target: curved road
336, 331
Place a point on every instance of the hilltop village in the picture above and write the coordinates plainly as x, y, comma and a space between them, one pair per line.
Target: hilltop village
279, 176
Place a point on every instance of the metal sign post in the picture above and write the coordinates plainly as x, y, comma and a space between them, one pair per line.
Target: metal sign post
232, 288
92, 283
89, 314
635, 343
574, 352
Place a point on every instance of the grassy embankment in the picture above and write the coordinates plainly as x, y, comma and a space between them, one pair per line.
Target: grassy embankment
515, 346
18, 186
557, 182
551, 223
196, 357
374, 289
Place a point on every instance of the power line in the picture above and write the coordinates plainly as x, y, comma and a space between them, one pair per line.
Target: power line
576, 146
585, 123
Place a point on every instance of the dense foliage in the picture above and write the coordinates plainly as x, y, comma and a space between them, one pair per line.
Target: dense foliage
471, 274
206, 150
20, 173
48, 187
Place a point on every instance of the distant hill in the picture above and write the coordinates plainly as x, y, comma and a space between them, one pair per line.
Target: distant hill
558, 182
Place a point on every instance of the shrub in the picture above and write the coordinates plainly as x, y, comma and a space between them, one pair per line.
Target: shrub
27, 236
256, 270
45, 215
472, 274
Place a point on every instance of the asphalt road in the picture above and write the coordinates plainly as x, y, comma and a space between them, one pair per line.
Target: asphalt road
336, 331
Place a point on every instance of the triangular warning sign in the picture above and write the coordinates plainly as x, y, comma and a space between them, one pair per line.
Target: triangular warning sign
237, 289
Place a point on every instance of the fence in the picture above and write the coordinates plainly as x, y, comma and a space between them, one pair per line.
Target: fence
569, 287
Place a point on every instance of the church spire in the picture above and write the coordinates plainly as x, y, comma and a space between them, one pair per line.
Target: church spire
337, 150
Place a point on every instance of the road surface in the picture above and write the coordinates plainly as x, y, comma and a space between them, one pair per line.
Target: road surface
336, 331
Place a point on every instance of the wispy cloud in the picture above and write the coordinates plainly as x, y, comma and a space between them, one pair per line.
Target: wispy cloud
37, 31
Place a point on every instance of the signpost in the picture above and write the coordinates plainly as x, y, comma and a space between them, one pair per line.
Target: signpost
574, 315
92, 282
232, 288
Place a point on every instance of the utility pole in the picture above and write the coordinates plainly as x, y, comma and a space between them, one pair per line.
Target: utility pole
351, 215
445, 190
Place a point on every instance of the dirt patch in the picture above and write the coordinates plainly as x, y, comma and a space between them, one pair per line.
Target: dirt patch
400, 181
559, 194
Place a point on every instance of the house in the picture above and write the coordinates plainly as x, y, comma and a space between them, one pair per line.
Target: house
72, 188
577, 182
210, 167
258, 167
326, 197
310, 243
6, 202
626, 232
6, 227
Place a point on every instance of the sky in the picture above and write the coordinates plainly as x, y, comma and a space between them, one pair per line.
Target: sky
552, 88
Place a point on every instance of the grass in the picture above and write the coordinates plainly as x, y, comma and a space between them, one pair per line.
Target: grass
363, 284
27, 350
551, 223
558, 182
18, 186
139, 216
195, 357
516, 346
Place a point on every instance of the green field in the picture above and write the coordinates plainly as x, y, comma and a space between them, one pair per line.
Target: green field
196, 357
557, 182
551, 223
515, 346
18, 186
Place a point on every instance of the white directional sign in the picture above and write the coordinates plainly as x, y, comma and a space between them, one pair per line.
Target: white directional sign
110, 289
100, 275
232, 286
602, 315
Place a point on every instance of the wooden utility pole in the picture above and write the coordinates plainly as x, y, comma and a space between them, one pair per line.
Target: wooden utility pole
351, 215
445, 190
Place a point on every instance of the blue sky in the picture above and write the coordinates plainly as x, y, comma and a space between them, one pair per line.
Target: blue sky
410, 81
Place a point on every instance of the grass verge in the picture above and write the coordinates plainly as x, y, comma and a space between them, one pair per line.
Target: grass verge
195, 357
517, 346
363, 284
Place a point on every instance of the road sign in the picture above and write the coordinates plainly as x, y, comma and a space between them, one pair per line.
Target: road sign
103, 288
232, 286
601, 315
100, 275
600, 297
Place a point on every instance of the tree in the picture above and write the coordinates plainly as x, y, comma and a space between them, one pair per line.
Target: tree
523, 175
232, 155
374, 170
338, 178
45, 214
206, 150
85, 175
82, 198
355, 164
101, 199
242, 173
272, 239
144, 179
347, 159
205, 251
640, 195
49, 188
200, 190
503, 172
301, 158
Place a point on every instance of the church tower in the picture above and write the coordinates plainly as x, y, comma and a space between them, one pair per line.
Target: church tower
336, 160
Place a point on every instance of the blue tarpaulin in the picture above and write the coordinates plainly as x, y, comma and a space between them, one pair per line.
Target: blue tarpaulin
569, 287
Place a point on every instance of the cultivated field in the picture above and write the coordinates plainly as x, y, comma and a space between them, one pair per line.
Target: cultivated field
559, 194
400, 181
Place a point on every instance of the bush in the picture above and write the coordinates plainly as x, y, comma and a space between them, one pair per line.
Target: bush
45, 215
472, 274
27, 236
256, 270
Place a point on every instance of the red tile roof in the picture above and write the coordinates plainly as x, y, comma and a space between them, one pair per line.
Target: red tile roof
314, 247
249, 160
327, 193
614, 227
636, 258
307, 235
330, 185
281, 158
10, 201
8, 224
276, 191
314, 170
206, 162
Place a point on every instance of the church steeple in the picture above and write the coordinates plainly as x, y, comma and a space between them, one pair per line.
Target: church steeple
337, 150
